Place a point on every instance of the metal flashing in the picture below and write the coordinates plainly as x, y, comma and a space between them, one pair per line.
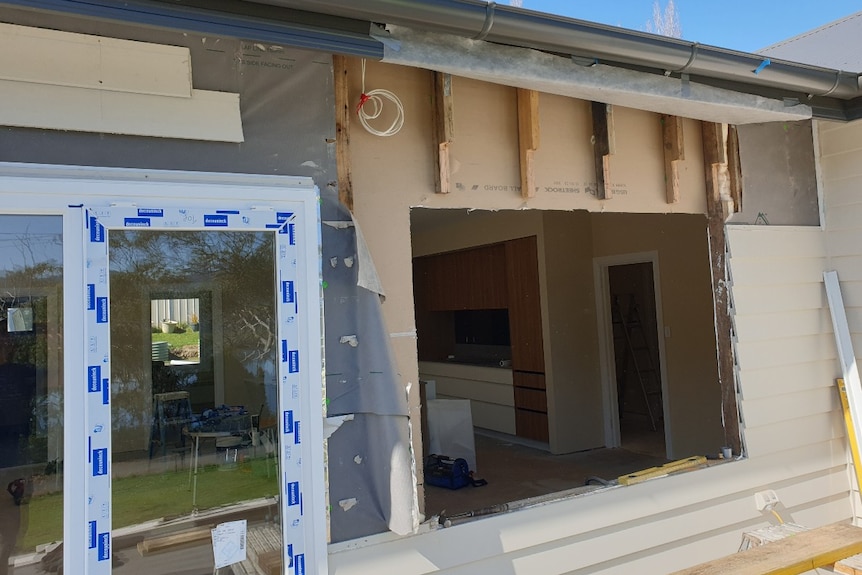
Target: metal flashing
292, 32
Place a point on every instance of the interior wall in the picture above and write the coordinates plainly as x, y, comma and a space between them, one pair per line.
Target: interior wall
575, 414
694, 395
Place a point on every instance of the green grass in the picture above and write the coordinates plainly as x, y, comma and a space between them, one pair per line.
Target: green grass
141, 498
178, 339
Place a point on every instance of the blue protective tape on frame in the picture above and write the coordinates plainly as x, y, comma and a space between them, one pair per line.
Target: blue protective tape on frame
763, 65
99, 456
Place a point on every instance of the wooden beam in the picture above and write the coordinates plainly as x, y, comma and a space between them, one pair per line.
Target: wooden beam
604, 144
174, 541
673, 143
789, 556
444, 129
342, 130
734, 167
528, 138
713, 154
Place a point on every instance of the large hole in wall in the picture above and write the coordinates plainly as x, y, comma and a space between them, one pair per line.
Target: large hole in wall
778, 175
607, 365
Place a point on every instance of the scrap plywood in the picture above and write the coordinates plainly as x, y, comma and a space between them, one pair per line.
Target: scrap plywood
792, 555
850, 566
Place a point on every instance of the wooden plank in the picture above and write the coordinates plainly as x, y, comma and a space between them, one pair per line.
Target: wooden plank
444, 129
342, 130
174, 540
673, 143
528, 138
802, 552
850, 566
734, 167
714, 155
603, 139
662, 470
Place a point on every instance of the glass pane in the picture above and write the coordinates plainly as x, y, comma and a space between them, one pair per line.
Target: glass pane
31, 392
194, 426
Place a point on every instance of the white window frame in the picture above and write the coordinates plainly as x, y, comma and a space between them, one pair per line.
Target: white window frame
56, 190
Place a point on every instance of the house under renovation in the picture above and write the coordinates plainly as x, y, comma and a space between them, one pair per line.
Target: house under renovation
259, 259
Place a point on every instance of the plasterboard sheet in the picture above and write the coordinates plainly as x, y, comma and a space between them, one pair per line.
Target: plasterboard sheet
208, 116
81, 60
534, 70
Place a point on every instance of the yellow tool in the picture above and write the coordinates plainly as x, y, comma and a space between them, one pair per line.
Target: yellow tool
662, 470
851, 435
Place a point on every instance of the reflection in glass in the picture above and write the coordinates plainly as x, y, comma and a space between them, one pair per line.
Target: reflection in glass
194, 433
176, 341
31, 392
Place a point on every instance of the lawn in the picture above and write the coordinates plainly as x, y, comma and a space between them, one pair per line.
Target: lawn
182, 344
178, 338
141, 498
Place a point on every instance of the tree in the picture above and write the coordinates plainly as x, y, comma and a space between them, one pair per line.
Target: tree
664, 22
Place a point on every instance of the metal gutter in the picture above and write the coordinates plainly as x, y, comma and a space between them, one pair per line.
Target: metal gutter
266, 24
590, 41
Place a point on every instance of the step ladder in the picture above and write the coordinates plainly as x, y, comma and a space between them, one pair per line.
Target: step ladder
638, 360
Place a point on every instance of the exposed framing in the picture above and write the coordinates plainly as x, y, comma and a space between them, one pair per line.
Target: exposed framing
443, 129
715, 164
606, 344
342, 130
528, 139
604, 146
673, 143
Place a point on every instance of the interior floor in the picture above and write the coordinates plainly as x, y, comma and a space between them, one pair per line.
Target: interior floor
515, 472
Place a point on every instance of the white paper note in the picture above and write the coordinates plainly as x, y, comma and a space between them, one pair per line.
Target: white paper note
229, 543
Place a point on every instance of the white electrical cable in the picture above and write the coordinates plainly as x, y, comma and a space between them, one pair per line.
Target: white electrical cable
376, 97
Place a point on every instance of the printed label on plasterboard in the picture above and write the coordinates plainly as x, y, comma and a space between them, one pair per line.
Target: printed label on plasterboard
288, 230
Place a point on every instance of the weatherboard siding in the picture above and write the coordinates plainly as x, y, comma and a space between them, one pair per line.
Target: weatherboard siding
654, 527
841, 181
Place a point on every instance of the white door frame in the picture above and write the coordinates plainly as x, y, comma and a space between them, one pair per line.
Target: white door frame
33, 189
606, 343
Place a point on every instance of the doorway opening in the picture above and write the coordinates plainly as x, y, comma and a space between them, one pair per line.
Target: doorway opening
637, 358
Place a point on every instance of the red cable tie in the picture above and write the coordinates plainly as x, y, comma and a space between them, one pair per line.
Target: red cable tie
362, 99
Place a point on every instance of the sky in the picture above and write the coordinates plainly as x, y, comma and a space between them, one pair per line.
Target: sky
746, 25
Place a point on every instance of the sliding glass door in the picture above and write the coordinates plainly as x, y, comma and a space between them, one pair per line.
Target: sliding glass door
188, 325
31, 391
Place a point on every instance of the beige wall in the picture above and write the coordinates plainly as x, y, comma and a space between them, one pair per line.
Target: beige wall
575, 414
694, 395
